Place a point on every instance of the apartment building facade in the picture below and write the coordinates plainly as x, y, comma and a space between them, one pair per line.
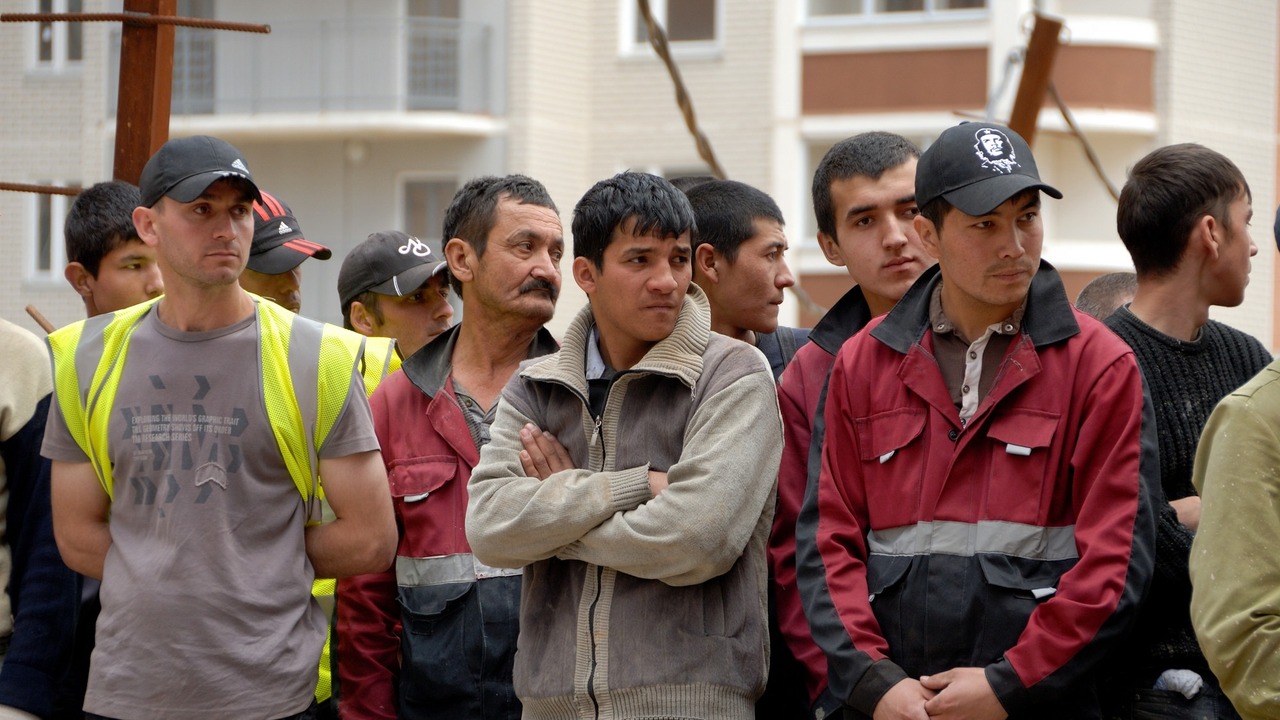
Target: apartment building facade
367, 115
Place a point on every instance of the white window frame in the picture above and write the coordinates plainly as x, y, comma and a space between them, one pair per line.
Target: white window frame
61, 42
629, 19
868, 14
59, 205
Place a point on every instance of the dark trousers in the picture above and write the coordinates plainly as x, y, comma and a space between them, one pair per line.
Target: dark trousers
1142, 704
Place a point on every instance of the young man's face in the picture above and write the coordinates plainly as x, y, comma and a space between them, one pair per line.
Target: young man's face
284, 288
127, 276
987, 261
637, 292
875, 239
747, 292
417, 318
519, 273
203, 243
1235, 248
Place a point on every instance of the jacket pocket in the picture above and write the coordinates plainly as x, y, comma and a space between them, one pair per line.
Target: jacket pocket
1014, 587
893, 457
1021, 442
414, 479
440, 644
886, 585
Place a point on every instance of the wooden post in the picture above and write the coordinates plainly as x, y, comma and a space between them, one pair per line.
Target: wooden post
146, 87
1036, 73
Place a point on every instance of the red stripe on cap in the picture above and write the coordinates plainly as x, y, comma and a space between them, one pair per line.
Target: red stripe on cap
304, 245
273, 204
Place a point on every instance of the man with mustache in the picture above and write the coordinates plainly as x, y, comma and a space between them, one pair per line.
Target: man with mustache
392, 285
435, 636
983, 516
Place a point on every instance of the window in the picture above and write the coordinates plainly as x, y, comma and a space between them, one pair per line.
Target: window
59, 43
890, 8
434, 47
194, 62
49, 252
424, 204
688, 23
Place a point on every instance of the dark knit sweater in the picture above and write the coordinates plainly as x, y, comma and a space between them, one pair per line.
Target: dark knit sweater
1186, 380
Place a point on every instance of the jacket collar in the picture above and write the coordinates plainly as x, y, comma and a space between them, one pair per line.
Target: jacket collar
678, 354
428, 368
849, 315
1048, 319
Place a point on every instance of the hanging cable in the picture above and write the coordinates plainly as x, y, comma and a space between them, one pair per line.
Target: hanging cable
1084, 142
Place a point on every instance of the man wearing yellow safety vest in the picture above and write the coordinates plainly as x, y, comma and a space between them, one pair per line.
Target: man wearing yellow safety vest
188, 438
436, 635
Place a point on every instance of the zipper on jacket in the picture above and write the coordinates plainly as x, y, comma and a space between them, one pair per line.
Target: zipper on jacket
598, 437
591, 628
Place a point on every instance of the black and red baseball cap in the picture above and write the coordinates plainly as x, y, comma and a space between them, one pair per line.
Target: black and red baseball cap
278, 243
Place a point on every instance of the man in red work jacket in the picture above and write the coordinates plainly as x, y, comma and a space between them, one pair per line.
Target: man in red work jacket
981, 524
435, 636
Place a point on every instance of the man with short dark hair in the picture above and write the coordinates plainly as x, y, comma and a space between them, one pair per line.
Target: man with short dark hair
738, 262
279, 248
1184, 217
189, 453
503, 242
631, 474
108, 265
392, 285
981, 515
865, 202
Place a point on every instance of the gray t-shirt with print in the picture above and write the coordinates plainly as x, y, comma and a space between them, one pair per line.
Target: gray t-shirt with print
206, 595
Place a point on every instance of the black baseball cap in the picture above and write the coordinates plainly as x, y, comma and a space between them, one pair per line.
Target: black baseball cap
977, 166
388, 263
278, 243
184, 168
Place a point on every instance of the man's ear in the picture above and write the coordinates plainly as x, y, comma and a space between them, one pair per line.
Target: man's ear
361, 318
586, 274
144, 222
830, 249
1206, 236
706, 264
928, 233
460, 256
79, 278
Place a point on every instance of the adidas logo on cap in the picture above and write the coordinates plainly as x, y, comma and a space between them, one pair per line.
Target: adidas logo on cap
239, 165
284, 229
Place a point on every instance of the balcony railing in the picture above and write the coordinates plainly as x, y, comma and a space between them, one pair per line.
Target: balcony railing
384, 64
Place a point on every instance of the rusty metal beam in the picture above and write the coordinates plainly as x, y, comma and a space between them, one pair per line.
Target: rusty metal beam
1036, 74
136, 19
41, 189
146, 87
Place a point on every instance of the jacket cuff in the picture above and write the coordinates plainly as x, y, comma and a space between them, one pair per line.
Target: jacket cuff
26, 688
1012, 694
875, 682
630, 488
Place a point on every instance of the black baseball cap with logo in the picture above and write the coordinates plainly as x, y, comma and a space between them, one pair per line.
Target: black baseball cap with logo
184, 168
278, 243
976, 167
388, 263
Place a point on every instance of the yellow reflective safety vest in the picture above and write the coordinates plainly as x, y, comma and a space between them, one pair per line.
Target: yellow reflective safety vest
379, 360
307, 370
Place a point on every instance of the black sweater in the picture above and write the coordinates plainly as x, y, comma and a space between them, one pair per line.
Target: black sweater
1186, 380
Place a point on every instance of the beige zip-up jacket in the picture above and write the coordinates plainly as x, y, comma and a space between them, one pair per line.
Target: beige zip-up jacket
636, 606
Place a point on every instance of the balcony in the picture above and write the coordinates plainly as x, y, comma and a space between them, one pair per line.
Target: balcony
331, 66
